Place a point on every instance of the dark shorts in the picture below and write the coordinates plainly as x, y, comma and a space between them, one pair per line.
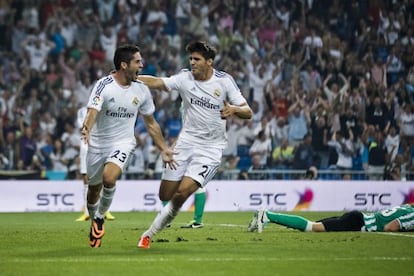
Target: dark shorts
350, 221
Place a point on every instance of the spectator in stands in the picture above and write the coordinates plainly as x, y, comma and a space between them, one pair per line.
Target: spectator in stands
266, 126
320, 132
71, 137
97, 52
304, 154
47, 123
9, 149
46, 149
27, 148
345, 150
244, 132
257, 113
310, 78
106, 9
312, 43
392, 143
299, 121
37, 50
257, 170
394, 66
109, 40
378, 72
83, 88
281, 130
70, 70
406, 123
277, 101
349, 120
377, 113
56, 156
258, 79
393, 169
282, 156
64, 116
376, 156
262, 146
334, 92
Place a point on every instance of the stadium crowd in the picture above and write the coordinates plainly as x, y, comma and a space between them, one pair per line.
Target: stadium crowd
331, 82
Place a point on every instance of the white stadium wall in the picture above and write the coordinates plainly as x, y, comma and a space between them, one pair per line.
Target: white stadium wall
54, 196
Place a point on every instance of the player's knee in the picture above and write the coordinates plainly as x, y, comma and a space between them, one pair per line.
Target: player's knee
108, 181
165, 196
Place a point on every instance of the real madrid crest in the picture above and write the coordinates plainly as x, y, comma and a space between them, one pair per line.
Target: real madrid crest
216, 93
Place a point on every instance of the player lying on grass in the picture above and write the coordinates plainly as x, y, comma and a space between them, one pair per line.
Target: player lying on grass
396, 219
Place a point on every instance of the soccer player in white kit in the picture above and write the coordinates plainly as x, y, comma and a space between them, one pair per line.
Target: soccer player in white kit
108, 129
208, 98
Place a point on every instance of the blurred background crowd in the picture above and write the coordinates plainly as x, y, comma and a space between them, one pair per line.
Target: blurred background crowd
331, 82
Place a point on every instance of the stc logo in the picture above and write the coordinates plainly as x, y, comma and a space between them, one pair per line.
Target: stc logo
257, 199
57, 199
371, 199
279, 199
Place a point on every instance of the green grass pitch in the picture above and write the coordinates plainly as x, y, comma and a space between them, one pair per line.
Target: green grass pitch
54, 244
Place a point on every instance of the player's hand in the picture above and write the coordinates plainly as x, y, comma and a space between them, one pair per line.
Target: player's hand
168, 158
227, 110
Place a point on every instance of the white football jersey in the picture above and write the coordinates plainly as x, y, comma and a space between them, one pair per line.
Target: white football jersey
118, 108
201, 105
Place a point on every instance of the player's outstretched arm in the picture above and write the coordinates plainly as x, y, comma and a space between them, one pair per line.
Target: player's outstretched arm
153, 82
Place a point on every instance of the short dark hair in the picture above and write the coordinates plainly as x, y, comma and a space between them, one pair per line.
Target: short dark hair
202, 47
124, 53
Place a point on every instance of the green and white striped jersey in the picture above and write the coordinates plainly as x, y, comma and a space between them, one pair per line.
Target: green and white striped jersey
375, 222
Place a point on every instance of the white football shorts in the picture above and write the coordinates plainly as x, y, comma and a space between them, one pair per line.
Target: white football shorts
119, 155
198, 163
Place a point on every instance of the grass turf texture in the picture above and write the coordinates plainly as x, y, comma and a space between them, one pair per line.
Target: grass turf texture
54, 244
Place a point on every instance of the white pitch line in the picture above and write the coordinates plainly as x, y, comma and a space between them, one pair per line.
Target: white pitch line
395, 234
229, 225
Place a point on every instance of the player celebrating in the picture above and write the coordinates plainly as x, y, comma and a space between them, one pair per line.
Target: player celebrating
109, 131
399, 218
208, 98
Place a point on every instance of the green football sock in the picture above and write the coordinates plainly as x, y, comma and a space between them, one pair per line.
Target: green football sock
295, 222
199, 202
